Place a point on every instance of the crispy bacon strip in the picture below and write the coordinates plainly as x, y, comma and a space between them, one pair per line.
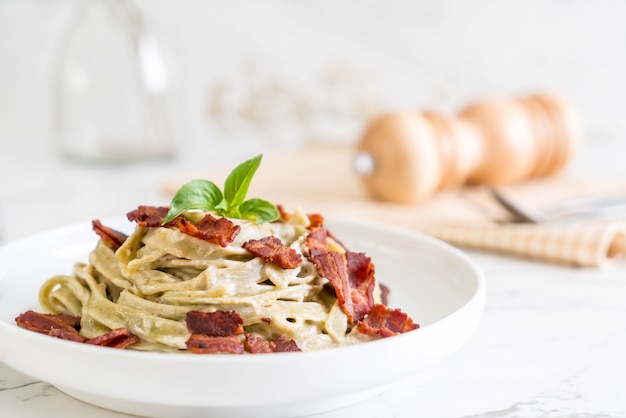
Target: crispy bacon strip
386, 322
352, 276
112, 238
55, 325
362, 282
316, 241
117, 338
66, 327
272, 250
204, 344
214, 324
219, 231
316, 220
148, 216
256, 344
67, 334
283, 345
332, 265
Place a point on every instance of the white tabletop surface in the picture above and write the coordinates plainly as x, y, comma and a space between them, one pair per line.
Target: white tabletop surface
551, 342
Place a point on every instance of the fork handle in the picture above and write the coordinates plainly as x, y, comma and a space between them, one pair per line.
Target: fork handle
413, 154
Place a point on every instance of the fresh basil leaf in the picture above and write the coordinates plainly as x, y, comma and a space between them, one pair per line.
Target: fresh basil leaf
238, 182
222, 206
258, 210
196, 194
205, 195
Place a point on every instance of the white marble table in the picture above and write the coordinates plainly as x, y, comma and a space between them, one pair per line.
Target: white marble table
551, 342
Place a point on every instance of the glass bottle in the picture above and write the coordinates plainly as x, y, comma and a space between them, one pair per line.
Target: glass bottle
115, 89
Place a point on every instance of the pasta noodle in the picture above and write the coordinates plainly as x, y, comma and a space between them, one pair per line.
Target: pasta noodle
159, 274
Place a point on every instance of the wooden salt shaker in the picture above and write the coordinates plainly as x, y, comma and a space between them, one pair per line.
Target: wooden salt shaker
407, 156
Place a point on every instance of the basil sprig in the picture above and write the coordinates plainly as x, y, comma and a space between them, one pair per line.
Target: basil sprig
205, 195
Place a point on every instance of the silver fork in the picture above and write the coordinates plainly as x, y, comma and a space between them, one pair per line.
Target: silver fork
605, 207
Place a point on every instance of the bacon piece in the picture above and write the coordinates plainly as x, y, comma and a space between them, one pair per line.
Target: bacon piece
256, 344
283, 345
214, 324
117, 338
272, 250
204, 344
67, 334
386, 322
332, 266
112, 238
55, 325
40, 322
362, 282
352, 276
315, 220
148, 216
316, 241
219, 231
66, 327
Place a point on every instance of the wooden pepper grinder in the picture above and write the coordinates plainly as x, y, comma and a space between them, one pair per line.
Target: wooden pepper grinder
407, 156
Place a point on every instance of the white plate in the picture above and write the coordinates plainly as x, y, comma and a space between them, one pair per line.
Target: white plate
433, 282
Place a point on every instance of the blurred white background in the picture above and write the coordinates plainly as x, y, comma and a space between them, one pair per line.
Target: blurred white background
280, 70
276, 73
